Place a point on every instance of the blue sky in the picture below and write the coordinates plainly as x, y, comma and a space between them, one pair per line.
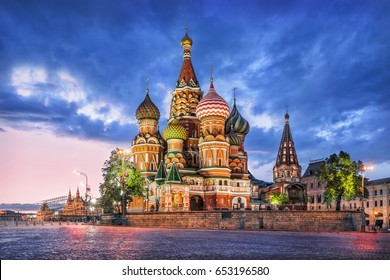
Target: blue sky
73, 73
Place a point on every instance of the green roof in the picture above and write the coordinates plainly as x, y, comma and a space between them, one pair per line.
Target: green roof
161, 173
174, 176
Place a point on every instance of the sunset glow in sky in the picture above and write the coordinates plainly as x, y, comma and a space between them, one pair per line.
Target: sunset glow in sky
72, 74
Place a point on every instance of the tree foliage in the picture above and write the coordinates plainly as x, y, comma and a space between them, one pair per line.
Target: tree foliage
341, 175
279, 198
116, 169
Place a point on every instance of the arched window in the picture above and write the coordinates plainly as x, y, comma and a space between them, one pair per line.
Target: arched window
220, 182
225, 182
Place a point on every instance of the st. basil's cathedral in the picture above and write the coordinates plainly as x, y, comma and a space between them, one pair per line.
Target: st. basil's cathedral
199, 162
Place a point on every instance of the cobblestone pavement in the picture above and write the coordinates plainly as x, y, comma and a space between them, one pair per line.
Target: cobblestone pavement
108, 242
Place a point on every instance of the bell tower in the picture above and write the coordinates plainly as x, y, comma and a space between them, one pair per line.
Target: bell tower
287, 169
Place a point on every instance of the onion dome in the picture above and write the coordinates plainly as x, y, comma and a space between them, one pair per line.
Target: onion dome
212, 105
233, 138
175, 131
147, 109
186, 40
235, 120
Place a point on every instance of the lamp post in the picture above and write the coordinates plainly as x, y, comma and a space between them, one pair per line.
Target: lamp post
122, 153
87, 189
364, 169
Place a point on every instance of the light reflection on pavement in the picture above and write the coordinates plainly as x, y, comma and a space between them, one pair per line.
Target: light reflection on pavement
109, 242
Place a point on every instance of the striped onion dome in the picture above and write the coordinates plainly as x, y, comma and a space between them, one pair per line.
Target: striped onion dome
235, 120
175, 131
233, 138
147, 110
212, 105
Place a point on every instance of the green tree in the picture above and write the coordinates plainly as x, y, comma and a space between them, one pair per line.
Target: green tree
114, 170
279, 198
341, 175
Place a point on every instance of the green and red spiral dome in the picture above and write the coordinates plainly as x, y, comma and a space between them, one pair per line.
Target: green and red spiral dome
147, 110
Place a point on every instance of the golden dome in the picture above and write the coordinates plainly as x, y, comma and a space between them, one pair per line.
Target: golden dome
186, 40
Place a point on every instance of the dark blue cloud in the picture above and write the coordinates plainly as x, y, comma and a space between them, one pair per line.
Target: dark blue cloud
328, 60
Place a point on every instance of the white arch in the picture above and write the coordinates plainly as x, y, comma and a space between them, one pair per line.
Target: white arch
239, 201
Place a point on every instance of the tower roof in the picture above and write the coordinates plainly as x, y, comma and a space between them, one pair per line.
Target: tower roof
147, 109
161, 173
187, 75
174, 176
239, 123
212, 105
287, 154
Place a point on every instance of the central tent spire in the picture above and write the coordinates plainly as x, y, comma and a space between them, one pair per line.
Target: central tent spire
187, 75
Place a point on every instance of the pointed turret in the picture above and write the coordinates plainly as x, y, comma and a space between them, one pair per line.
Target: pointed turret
161, 174
187, 75
185, 98
287, 168
174, 176
69, 196
77, 194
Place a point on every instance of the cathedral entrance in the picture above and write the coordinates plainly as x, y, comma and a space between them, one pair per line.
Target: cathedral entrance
196, 203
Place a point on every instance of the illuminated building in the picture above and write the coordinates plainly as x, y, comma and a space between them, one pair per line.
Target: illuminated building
287, 171
199, 162
75, 207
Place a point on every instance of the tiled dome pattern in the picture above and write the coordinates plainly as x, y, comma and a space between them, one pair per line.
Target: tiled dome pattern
147, 110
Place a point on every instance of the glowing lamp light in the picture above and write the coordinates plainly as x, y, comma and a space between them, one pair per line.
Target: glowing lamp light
367, 167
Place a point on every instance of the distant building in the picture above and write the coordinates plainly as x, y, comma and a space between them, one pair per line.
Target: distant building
75, 207
44, 213
287, 171
9, 215
378, 203
314, 188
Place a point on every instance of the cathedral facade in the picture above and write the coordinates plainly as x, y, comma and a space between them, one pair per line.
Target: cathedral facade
199, 161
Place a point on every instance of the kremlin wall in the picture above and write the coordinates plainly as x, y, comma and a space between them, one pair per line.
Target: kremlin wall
244, 220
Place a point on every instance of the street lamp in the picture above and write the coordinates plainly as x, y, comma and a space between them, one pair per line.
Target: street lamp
123, 153
364, 169
87, 190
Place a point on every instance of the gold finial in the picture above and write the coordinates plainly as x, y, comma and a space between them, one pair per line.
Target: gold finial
147, 85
